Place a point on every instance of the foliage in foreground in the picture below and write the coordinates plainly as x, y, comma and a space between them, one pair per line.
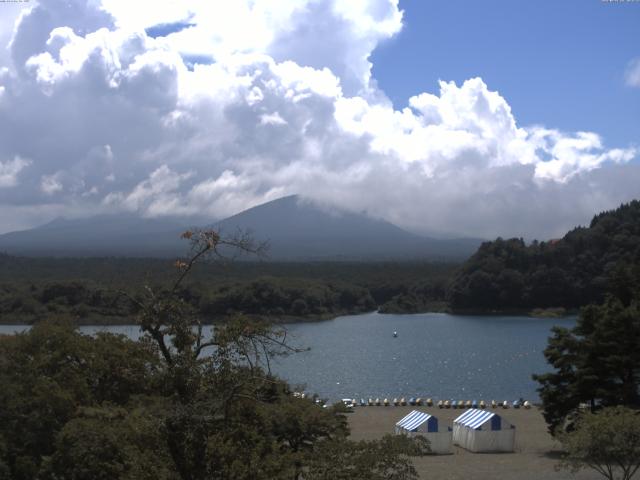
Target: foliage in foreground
175, 405
595, 363
607, 442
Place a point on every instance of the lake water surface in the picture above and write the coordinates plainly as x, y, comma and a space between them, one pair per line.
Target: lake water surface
434, 355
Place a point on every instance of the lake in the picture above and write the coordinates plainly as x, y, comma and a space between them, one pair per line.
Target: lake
434, 355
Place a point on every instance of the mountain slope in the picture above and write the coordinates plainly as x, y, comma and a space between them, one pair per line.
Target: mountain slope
294, 229
103, 235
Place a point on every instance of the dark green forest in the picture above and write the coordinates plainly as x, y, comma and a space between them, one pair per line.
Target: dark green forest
502, 276
576, 270
89, 290
595, 364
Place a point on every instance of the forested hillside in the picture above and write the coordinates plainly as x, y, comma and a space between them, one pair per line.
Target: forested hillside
88, 290
503, 275
579, 269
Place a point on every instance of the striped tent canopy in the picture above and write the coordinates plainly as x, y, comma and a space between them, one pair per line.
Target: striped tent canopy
482, 431
475, 418
412, 421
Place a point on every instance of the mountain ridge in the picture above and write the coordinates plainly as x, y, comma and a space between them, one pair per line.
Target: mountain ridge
295, 228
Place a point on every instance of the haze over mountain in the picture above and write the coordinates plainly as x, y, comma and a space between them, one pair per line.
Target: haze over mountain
102, 235
298, 229
294, 228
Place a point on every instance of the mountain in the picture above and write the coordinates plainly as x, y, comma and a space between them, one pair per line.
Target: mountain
102, 235
295, 230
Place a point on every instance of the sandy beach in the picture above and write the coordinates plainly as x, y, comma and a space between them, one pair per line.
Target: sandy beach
535, 455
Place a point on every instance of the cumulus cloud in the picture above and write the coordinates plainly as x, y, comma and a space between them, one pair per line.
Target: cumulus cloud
632, 75
316, 33
11, 12
9, 171
278, 100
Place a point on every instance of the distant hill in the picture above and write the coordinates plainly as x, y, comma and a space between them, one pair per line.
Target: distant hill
295, 230
581, 268
102, 235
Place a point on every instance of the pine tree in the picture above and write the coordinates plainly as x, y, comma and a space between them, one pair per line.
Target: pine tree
597, 362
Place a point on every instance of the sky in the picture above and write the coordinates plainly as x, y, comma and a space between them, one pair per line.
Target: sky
457, 118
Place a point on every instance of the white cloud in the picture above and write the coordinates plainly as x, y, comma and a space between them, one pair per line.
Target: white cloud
632, 75
10, 13
272, 119
51, 184
155, 195
10, 169
334, 34
115, 120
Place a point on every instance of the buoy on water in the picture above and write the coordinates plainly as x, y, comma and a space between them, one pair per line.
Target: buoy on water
395, 334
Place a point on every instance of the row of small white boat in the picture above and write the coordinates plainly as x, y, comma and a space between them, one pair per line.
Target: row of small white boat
454, 404
482, 404
461, 404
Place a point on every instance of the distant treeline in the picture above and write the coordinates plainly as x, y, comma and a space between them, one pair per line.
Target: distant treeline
571, 272
89, 290
502, 276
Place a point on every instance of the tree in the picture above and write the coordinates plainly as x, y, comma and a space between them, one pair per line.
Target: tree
229, 417
179, 404
571, 272
386, 459
109, 443
607, 442
50, 373
597, 362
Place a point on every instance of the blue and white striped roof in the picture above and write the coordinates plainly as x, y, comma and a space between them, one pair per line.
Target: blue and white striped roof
413, 420
474, 418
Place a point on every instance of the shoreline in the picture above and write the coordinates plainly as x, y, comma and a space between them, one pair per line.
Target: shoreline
125, 321
289, 319
552, 312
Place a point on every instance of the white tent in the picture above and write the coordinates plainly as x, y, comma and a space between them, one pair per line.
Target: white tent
420, 423
483, 431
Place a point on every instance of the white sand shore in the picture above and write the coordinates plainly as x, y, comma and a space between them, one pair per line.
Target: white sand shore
535, 457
